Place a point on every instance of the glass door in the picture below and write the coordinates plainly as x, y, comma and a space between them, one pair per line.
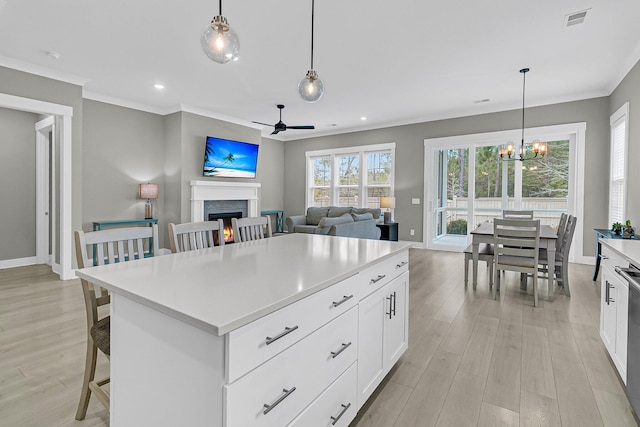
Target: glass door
452, 196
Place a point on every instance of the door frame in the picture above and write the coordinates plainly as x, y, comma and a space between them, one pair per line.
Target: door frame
44, 128
576, 133
63, 119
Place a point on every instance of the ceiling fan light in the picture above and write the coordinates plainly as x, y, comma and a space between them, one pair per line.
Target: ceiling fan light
310, 87
219, 42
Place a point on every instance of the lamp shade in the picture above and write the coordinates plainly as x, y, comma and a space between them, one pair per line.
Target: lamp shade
148, 191
388, 202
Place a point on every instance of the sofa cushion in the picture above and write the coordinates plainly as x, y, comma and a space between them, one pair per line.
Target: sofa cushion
315, 214
325, 223
310, 229
335, 211
361, 229
362, 217
373, 211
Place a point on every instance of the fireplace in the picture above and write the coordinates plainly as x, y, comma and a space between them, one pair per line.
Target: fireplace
204, 192
226, 218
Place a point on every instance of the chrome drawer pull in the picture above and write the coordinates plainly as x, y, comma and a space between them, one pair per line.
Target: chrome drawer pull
335, 354
335, 419
286, 331
343, 300
286, 394
380, 277
402, 264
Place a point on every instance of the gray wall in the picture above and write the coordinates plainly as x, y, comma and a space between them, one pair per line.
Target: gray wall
122, 148
173, 167
629, 90
18, 189
409, 141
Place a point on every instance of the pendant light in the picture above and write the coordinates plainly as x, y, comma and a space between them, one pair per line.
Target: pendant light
310, 87
539, 148
219, 41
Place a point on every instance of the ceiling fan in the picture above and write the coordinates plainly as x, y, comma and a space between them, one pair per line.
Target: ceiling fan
281, 127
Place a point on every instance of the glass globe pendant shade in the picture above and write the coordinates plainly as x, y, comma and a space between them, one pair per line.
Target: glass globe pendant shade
219, 41
311, 87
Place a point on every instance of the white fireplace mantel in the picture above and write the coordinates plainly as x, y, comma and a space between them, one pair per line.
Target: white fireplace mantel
216, 190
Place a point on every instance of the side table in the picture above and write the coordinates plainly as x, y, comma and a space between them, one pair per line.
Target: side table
388, 231
279, 225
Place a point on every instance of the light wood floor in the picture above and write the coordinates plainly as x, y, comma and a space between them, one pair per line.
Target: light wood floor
471, 360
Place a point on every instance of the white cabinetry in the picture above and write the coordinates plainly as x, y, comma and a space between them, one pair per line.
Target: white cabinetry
614, 308
383, 334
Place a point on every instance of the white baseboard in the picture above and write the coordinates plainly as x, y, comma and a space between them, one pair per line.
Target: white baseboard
17, 262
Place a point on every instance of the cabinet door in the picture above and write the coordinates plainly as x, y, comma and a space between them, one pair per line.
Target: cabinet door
370, 348
608, 311
395, 320
622, 327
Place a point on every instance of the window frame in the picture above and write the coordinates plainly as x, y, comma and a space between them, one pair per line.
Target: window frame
621, 116
363, 185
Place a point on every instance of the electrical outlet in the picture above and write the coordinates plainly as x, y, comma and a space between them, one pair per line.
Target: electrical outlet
412, 232
415, 201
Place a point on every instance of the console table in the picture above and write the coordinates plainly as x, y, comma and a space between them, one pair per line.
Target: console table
99, 225
602, 233
279, 225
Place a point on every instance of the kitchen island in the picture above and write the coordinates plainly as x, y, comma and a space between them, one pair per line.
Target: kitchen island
292, 330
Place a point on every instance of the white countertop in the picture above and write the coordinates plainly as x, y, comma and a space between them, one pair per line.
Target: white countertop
223, 288
628, 248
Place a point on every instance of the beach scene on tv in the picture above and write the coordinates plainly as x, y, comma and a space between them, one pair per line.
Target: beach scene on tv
230, 159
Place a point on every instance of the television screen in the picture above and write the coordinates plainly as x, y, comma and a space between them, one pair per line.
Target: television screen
230, 159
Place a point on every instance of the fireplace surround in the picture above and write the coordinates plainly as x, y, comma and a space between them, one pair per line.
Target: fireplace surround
202, 191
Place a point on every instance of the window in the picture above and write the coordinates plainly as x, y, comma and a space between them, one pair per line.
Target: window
354, 176
618, 165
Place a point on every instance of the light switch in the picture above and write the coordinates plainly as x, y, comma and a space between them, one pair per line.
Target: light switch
415, 201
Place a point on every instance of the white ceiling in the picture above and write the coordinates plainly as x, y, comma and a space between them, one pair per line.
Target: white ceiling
394, 62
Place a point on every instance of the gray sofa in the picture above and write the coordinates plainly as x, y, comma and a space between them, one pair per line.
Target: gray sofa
337, 221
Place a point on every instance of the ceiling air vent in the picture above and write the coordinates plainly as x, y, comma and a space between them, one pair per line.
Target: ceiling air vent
575, 18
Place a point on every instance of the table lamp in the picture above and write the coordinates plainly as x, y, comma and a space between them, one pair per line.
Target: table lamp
388, 203
148, 191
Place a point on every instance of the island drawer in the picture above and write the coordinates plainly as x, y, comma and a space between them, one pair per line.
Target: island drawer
380, 274
612, 259
257, 342
280, 389
336, 404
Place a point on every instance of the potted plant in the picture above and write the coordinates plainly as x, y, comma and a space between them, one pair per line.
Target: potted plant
616, 228
628, 230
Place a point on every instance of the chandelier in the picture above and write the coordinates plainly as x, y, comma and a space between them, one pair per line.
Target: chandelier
538, 148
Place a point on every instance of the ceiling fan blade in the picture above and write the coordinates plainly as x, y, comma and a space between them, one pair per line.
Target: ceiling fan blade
301, 127
275, 132
260, 123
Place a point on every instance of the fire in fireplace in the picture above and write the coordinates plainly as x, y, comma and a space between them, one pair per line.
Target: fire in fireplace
226, 218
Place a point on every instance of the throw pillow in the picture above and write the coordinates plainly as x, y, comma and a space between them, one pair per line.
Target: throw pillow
314, 215
335, 211
376, 212
325, 223
362, 217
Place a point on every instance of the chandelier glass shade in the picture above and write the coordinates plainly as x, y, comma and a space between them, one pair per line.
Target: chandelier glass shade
538, 148
310, 87
219, 42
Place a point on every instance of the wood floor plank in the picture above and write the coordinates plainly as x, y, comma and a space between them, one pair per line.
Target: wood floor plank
504, 378
537, 368
537, 410
615, 409
495, 416
425, 403
477, 355
385, 406
463, 402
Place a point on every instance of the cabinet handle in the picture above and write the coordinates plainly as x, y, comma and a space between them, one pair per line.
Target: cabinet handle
286, 331
380, 277
604, 257
285, 394
402, 264
335, 419
335, 354
390, 313
606, 292
343, 300
394, 303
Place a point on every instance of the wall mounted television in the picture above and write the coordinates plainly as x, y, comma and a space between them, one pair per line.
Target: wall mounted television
226, 158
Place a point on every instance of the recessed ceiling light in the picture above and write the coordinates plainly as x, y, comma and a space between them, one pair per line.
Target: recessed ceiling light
54, 55
575, 18
363, 118
158, 86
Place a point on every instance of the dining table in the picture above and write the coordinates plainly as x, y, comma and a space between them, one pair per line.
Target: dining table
548, 237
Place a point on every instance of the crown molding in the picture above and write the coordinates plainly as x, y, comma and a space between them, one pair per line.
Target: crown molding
213, 115
42, 71
94, 96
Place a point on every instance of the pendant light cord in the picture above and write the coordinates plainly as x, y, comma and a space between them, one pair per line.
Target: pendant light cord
220, 5
524, 77
313, 8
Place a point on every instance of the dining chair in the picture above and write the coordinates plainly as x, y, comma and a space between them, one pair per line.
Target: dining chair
515, 248
513, 214
110, 246
196, 235
485, 253
562, 256
247, 229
